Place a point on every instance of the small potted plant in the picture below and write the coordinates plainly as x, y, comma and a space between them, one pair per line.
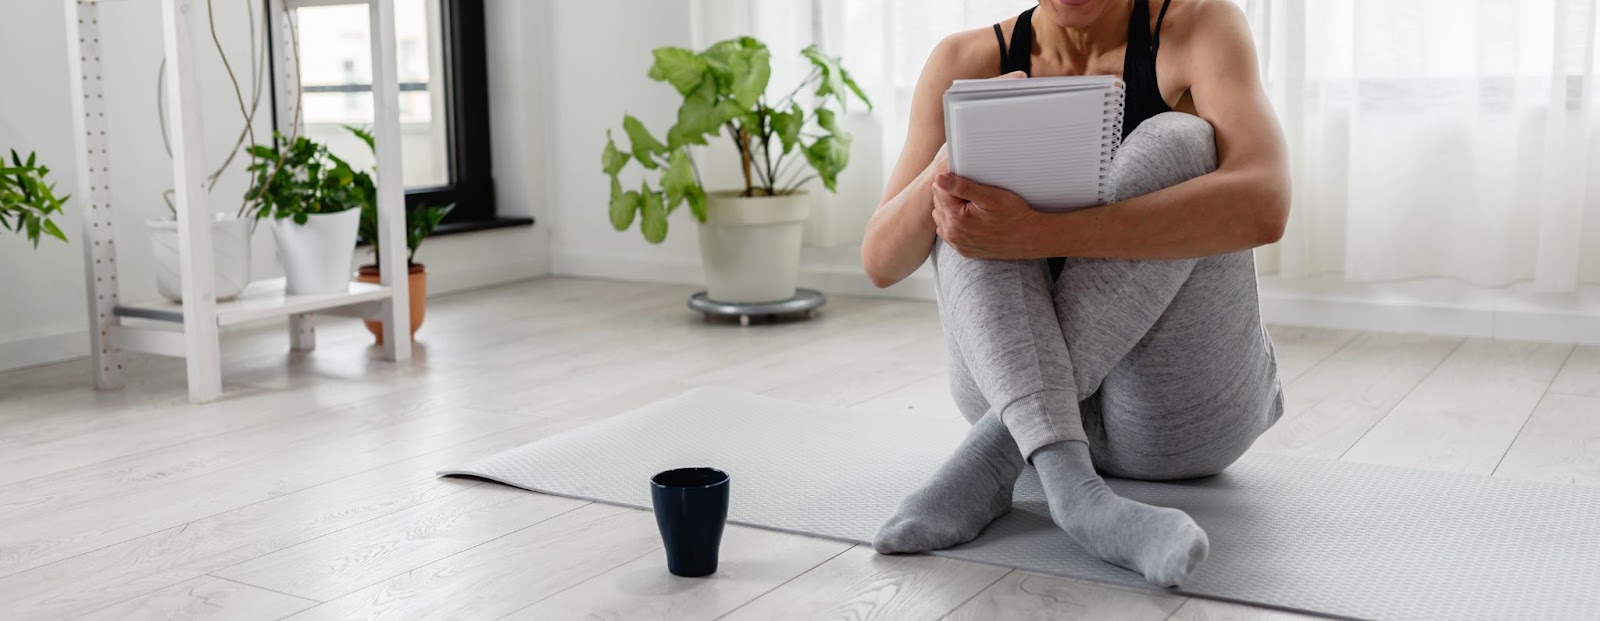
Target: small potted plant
749, 237
230, 233
314, 199
27, 200
420, 222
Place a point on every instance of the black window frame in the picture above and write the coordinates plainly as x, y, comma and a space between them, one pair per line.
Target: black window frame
466, 115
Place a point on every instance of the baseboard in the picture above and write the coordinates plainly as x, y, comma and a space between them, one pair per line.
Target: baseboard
1435, 306
32, 351
815, 273
1431, 307
442, 281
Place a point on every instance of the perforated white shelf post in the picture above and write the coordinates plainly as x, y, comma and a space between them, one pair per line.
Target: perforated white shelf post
192, 329
94, 191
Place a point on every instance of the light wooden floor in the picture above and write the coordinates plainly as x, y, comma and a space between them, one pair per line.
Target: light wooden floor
309, 491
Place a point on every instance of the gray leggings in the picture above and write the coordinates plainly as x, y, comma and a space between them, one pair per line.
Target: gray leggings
1162, 367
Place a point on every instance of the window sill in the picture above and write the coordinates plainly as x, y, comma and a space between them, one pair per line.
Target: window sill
457, 228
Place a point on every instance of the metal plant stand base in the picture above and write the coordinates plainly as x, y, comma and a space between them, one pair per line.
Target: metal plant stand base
804, 304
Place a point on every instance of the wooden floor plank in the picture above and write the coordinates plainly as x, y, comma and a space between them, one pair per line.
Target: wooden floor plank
41, 535
340, 563
929, 396
1581, 374
276, 432
114, 573
509, 573
1332, 404
1022, 595
1560, 444
1464, 415
1300, 348
753, 561
862, 584
204, 599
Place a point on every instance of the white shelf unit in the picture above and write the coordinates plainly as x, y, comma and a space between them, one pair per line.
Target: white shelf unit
191, 329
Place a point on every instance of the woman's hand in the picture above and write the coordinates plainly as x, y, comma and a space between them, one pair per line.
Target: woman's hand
982, 222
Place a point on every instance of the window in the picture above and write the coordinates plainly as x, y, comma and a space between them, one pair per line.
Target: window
444, 116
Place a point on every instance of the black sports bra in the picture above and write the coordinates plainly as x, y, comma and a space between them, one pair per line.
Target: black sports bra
1143, 95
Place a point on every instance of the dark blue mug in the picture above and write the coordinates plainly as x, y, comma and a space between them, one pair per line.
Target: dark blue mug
691, 508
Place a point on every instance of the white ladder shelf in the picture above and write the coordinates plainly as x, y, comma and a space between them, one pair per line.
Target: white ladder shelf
191, 330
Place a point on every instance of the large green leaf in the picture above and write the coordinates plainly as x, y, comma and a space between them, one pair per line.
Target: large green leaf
678, 179
854, 88
828, 156
697, 116
719, 57
835, 80
751, 71
645, 146
832, 82
825, 120
623, 205
679, 67
787, 126
742, 68
652, 217
729, 110
697, 202
612, 160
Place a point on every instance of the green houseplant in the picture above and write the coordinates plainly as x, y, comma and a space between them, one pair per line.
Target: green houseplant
27, 200
313, 199
749, 237
420, 223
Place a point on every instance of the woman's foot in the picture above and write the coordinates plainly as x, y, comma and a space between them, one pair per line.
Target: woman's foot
968, 492
1161, 543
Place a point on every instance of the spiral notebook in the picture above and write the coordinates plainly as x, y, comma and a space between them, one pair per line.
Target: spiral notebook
1050, 140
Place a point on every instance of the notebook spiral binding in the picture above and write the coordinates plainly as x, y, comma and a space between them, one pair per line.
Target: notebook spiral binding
1115, 104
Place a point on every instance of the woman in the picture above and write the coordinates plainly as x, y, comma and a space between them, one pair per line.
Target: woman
1125, 338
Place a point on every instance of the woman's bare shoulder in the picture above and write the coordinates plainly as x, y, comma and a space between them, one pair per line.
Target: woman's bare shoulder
1201, 22
967, 54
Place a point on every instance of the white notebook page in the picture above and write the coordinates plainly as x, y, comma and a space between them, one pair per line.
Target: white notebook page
1046, 147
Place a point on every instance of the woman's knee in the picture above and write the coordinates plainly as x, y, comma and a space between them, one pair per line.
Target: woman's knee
1165, 150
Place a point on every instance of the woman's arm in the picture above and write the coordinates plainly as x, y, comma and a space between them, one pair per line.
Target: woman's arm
1244, 204
900, 233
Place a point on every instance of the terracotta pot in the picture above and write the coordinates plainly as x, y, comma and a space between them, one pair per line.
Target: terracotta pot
418, 277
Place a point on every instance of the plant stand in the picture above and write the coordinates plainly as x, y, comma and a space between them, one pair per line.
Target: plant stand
804, 304
190, 329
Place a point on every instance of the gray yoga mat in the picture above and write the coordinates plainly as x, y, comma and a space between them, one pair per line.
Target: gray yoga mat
1334, 538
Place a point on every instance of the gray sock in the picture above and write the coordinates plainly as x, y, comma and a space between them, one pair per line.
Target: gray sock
968, 492
1161, 543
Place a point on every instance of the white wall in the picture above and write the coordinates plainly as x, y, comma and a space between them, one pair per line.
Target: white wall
42, 314
599, 56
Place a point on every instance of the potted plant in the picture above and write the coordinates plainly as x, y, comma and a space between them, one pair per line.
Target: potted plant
314, 199
750, 237
230, 233
27, 200
420, 222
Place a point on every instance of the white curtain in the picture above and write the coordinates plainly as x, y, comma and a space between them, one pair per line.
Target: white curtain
1435, 138
1429, 138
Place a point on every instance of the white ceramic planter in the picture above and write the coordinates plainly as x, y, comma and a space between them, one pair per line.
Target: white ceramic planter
750, 247
317, 256
230, 256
